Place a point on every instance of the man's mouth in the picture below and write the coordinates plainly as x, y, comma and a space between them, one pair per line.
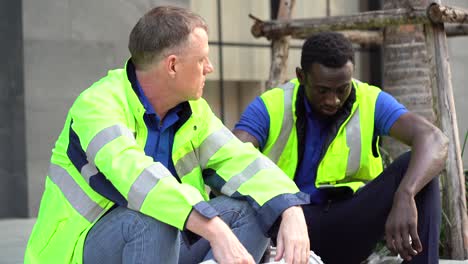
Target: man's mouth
329, 110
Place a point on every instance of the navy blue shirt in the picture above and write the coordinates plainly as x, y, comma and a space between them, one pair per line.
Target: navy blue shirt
256, 121
160, 132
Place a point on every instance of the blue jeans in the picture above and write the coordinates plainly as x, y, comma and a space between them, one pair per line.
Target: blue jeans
126, 236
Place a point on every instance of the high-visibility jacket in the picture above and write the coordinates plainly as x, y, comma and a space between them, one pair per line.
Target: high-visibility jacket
102, 144
349, 157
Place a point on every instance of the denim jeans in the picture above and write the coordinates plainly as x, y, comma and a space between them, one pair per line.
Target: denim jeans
241, 218
126, 236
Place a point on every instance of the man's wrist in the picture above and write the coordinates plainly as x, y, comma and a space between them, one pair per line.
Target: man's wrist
291, 210
215, 228
404, 194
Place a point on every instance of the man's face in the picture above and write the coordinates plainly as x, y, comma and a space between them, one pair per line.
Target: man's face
194, 65
326, 88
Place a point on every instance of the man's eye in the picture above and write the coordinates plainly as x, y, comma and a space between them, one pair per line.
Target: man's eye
342, 90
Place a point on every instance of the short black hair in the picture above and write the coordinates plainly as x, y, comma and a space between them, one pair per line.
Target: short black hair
330, 49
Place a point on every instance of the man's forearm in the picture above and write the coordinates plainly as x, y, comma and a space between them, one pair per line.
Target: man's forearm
225, 246
206, 228
429, 152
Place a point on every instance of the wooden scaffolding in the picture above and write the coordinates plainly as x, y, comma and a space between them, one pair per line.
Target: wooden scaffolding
409, 23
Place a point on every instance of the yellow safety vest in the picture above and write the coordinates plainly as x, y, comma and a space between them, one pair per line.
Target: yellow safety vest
107, 122
348, 160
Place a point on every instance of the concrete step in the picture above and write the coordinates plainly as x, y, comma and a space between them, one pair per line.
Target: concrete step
14, 234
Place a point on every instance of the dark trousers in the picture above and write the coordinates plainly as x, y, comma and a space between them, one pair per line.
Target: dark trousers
347, 231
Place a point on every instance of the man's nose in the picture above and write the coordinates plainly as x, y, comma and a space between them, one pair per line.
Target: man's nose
208, 67
333, 100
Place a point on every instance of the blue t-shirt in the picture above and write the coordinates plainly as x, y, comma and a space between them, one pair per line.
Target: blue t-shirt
160, 132
256, 121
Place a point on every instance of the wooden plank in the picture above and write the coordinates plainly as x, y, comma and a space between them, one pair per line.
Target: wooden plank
456, 30
362, 37
364, 20
280, 48
440, 14
301, 28
453, 181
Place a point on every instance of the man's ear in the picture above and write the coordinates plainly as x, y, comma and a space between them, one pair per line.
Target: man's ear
300, 75
170, 64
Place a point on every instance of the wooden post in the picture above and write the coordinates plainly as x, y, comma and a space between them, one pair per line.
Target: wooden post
453, 181
280, 48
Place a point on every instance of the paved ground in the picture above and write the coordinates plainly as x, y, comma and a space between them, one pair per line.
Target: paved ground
14, 235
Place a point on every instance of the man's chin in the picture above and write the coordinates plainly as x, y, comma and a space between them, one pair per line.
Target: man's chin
196, 97
328, 113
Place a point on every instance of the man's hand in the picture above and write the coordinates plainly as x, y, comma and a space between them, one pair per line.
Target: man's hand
401, 229
227, 249
293, 240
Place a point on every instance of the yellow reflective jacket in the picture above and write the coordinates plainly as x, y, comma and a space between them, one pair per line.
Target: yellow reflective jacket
102, 143
348, 157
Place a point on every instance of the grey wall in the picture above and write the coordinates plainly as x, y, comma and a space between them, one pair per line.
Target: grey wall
67, 46
459, 66
13, 182
70, 44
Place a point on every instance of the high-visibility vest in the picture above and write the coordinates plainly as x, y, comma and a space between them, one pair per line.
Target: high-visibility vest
103, 142
347, 159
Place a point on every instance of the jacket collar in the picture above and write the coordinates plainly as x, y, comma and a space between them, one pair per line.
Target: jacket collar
185, 112
335, 123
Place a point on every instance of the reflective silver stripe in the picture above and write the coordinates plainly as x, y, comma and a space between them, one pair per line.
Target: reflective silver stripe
145, 182
287, 124
186, 164
105, 136
353, 139
201, 155
74, 194
88, 170
231, 186
213, 143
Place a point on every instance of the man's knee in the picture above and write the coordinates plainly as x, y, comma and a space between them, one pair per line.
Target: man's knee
134, 224
129, 234
397, 169
138, 224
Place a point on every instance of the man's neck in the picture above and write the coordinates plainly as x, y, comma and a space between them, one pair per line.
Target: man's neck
158, 92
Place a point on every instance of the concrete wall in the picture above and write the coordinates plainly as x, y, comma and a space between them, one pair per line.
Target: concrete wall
70, 44
247, 68
67, 46
253, 63
13, 181
459, 64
